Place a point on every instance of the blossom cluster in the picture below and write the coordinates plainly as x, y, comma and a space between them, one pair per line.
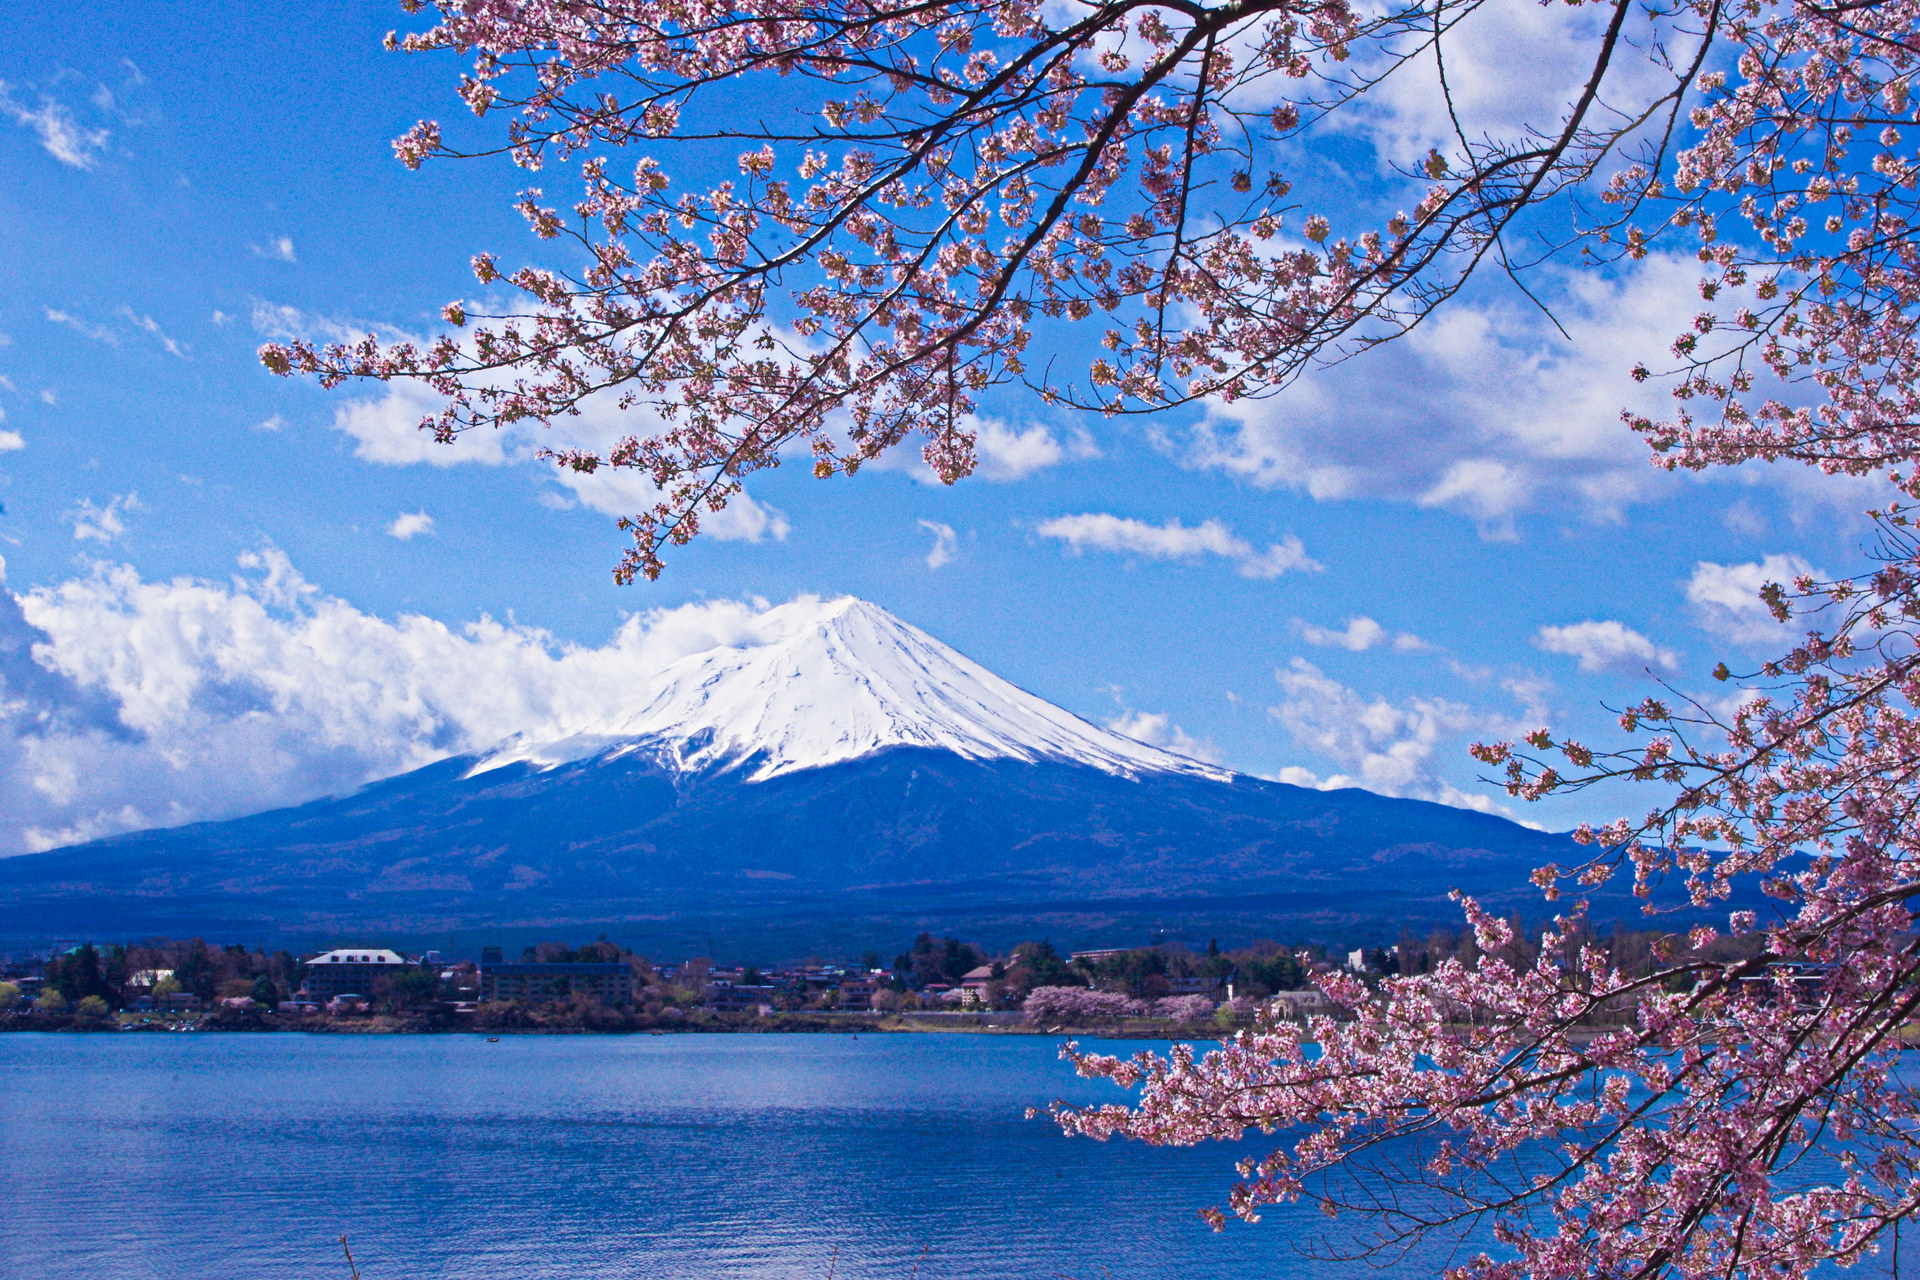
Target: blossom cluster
954, 181
1079, 1005
960, 184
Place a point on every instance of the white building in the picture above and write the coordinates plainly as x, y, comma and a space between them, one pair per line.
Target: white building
349, 971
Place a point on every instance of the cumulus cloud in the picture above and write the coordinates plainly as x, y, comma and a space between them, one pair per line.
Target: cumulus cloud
1607, 646
1007, 454
1485, 410
1175, 541
1157, 729
944, 542
409, 525
64, 138
1003, 452
11, 440
102, 524
387, 430
1726, 597
278, 248
1511, 66
127, 703
625, 493
1359, 635
1388, 747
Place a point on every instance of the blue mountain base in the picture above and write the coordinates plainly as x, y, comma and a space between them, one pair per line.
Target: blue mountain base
829, 860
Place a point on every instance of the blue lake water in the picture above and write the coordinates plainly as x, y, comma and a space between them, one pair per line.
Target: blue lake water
542, 1157
230, 1157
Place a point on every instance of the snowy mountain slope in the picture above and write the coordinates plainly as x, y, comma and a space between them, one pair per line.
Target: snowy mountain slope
841, 680
844, 781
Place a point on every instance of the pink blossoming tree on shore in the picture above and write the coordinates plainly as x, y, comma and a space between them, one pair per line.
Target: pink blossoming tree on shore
947, 190
1078, 1006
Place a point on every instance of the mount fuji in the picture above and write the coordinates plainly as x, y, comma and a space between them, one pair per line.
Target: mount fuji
841, 781
840, 680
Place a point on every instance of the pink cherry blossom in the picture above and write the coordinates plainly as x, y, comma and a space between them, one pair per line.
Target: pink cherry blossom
968, 182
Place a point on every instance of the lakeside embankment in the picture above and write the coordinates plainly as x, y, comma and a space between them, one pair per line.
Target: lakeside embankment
612, 1022
516, 1021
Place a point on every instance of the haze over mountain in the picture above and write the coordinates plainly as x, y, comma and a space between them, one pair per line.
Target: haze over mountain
841, 780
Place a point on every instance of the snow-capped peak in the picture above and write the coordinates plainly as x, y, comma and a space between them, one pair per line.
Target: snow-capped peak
834, 681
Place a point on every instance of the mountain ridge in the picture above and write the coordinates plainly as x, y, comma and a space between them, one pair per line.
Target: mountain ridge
841, 779
840, 679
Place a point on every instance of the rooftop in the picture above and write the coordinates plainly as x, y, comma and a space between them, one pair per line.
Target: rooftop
359, 955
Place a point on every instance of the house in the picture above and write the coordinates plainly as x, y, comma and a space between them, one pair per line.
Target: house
858, 989
349, 970
534, 983
739, 997
973, 987
1298, 1004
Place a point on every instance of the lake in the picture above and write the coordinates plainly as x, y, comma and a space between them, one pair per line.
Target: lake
231, 1157
541, 1157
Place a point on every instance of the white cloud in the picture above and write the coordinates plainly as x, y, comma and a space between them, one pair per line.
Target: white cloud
275, 423
98, 332
944, 542
624, 492
1002, 452
284, 323
410, 524
278, 248
1512, 65
102, 524
388, 431
1157, 729
1607, 646
131, 703
63, 137
1175, 541
102, 333
148, 325
1359, 635
1484, 410
1383, 746
10, 440
1486, 491
1726, 597
1006, 454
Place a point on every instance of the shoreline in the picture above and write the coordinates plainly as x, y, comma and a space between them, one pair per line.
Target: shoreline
703, 1022
991, 1024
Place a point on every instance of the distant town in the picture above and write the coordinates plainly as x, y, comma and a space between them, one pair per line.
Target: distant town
937, 982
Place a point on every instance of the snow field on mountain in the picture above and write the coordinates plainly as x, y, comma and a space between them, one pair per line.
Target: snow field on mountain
839, 680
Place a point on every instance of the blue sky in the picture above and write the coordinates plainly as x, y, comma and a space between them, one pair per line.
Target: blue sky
210, 559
